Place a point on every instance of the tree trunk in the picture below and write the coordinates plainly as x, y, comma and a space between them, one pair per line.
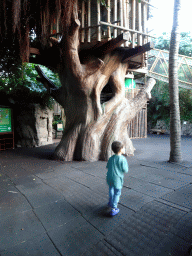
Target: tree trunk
175, 126
90, 126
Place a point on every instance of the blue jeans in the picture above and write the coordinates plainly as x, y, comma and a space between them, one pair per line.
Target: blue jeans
114, 195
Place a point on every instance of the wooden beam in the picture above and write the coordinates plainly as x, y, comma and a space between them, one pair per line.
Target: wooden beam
34, 51
111, 45
104, 48
140, 70
125, 29
133, 52
92, 45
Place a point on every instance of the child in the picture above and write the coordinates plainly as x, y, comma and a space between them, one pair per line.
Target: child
117, 165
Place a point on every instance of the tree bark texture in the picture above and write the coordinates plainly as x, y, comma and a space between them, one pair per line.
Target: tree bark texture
175, 126
90, 126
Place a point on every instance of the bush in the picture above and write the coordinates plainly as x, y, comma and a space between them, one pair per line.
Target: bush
158, 107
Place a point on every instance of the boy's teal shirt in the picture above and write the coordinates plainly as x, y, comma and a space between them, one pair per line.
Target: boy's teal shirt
117, 165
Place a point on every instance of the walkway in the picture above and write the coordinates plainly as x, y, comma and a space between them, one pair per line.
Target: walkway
53, 208
158, 67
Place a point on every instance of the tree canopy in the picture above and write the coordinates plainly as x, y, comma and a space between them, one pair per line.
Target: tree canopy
19, 19
185, 46
21, 86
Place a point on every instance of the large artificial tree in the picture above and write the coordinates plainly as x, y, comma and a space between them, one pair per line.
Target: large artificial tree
90, 127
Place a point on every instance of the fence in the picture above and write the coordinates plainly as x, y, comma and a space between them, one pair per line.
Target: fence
99, 22
137, 127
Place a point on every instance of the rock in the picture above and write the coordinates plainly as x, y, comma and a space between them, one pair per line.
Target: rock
161, 127
33, 126
186, 128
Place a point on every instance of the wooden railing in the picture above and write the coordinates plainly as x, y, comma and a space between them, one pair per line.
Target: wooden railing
119, 16
137, 127
131, 93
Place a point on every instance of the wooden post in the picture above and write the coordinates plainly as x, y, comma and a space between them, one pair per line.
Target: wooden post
83, 22
133, 21
115, 18
108, 18
145, 39
98, 20
132, 89
121, 14
51, 30
139, 41
126, 20
127, 12
124, 14
89, 22
57, 26
129, 15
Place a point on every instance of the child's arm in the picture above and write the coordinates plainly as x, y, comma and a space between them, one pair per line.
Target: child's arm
125, 166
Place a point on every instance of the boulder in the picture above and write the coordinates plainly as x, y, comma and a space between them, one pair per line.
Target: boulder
33, 126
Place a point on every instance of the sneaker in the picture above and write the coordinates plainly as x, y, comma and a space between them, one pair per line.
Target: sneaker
114, 211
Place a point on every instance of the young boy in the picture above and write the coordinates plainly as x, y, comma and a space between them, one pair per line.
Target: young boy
117, 165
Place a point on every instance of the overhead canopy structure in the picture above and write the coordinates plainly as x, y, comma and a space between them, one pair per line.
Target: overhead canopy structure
158, 67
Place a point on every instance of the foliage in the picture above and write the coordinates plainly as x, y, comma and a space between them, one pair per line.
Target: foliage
158, 108
54, 124
21, 86
163, 42
185, 102
185, 46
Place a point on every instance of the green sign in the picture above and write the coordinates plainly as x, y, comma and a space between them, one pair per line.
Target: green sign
130, 83
5, 120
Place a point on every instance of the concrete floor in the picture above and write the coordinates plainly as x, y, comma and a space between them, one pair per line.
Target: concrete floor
55, 208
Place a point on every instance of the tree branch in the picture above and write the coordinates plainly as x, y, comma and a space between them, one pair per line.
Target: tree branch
113, 126
49, 57
144, 94
69, 46
54, 41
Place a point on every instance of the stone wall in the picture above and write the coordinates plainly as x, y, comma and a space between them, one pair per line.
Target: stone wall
186, 127
33, 125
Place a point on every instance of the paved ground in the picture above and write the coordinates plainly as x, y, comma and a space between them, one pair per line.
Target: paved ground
52, 208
